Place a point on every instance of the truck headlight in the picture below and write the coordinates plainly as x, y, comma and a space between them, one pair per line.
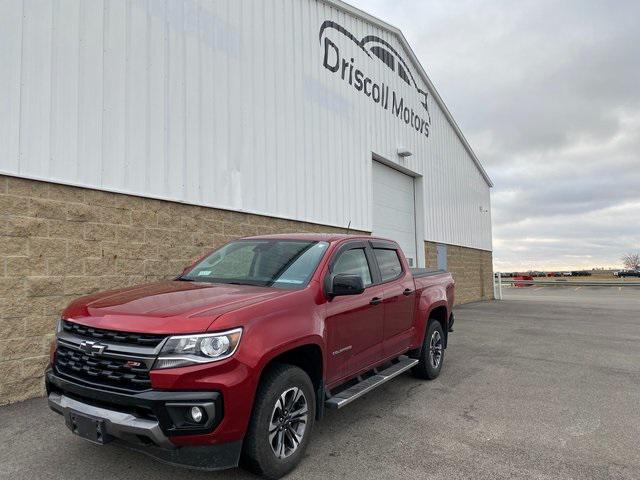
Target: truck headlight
183, 350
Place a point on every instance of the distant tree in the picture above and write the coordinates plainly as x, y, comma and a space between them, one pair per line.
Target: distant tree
631, 261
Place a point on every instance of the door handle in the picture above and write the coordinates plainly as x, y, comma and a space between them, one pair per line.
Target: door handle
407, 292
375, 301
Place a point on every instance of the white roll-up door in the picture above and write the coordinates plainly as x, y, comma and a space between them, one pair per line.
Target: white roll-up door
394, 213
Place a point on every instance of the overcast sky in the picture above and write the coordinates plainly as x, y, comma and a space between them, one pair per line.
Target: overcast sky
548, 95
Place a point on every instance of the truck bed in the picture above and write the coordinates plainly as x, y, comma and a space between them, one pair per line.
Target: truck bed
429, 278
425, 272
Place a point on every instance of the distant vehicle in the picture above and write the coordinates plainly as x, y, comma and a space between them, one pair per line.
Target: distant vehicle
629, 273
580, 273
566, 274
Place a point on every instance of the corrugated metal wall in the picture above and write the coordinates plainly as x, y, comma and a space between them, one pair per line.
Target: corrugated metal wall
219, 103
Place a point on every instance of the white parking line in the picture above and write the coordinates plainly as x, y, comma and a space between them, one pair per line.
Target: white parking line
576, 289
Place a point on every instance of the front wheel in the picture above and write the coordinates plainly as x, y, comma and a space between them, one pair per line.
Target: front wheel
281, 423
432, 353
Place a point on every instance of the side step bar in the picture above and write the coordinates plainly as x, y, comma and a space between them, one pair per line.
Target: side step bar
365, 386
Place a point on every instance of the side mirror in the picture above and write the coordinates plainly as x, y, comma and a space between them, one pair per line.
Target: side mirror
342, 284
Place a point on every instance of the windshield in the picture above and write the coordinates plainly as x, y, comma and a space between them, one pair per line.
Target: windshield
276, 263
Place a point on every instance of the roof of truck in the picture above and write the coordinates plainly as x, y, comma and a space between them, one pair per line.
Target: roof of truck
316, 237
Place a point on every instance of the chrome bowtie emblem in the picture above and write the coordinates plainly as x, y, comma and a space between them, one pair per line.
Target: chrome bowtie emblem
92, 348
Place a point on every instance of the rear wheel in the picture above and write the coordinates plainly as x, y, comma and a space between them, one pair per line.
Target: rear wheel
281, 423
432, 353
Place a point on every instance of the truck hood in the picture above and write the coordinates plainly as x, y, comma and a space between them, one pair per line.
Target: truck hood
171, 307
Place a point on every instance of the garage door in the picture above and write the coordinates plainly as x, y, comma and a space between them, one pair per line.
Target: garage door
394, 213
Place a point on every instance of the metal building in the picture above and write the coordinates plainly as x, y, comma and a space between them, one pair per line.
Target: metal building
309, 110
281, 108
121, 119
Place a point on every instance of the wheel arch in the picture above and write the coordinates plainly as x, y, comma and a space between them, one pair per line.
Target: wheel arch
307, 355
440, 314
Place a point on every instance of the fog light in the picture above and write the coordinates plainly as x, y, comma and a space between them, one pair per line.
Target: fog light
196, 414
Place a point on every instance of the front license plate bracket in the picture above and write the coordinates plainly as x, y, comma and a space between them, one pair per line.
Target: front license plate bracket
88, 427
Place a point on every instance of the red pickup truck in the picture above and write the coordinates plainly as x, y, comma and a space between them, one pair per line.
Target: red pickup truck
233, 361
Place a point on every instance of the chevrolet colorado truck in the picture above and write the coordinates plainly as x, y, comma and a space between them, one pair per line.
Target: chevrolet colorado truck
233, 362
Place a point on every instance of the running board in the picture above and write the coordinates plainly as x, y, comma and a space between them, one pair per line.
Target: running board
365, 386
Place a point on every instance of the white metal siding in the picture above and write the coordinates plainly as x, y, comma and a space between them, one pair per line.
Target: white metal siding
221, 103
394, 214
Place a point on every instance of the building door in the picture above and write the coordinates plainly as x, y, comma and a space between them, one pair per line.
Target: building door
441, 250
394, 213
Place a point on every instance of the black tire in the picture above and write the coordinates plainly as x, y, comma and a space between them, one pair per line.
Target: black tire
425, 368
258, 455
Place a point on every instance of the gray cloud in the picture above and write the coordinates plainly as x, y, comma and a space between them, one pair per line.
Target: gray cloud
548, 93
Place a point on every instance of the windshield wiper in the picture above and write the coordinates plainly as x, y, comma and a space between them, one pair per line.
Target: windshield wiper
250, 283
254, 283
185, 279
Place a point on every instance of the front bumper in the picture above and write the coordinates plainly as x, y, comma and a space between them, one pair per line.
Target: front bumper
122, 425
146, 421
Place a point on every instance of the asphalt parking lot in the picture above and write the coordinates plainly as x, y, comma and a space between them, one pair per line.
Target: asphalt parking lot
543, 385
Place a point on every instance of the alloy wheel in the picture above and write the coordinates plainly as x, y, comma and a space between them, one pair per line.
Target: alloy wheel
288, 422
435, 349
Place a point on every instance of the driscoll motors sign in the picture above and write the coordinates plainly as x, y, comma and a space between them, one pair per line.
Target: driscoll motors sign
414, 113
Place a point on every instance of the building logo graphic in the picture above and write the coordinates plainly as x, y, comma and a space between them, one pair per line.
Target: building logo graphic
379, 92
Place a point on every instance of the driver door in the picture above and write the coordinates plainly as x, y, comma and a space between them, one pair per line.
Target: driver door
354, 323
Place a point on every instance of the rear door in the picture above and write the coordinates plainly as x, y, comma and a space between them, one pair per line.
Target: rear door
354, 323
399, 297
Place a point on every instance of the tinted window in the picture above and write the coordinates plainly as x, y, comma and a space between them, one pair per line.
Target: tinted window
354, 262
389, 263
277, 263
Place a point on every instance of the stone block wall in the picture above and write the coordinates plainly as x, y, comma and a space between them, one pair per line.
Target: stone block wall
58, 243
472, 270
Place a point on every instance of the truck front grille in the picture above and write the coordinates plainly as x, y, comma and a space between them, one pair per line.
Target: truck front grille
113, 336
116, 373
